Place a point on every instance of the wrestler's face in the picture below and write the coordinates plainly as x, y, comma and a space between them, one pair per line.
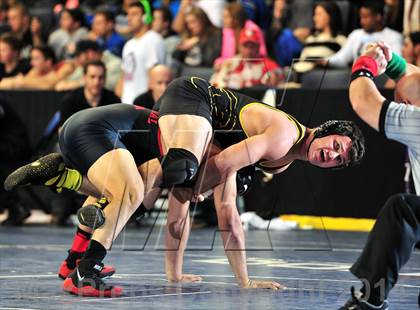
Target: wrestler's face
329, 151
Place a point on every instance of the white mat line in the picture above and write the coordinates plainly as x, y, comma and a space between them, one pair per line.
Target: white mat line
260, 277
68, 295
6, 308
144, 297
160, 275
36, 276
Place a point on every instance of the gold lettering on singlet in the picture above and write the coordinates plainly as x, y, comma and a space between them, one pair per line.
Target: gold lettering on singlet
192, 80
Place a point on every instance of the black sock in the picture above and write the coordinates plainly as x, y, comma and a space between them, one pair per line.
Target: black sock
93, 256
71, 259
95, 251
84, 233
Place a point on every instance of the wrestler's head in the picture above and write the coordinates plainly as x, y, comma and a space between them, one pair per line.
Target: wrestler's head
407, 89
336, 144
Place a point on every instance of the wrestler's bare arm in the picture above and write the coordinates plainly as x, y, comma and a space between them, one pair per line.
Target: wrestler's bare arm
231, 228
268, 145
233, 236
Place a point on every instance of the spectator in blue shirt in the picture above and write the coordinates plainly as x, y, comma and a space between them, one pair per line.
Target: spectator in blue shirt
103, 32
258, 12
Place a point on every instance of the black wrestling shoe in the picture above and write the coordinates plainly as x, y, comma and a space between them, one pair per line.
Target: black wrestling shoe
357, 303
71, 262
91, 216
39, 172
90, 284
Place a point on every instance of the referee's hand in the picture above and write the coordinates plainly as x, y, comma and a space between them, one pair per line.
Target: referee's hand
375, 52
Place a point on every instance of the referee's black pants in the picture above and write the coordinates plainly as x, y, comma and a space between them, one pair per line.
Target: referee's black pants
389, 246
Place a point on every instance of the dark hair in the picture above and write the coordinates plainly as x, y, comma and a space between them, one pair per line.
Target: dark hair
3, 6
349, 129
109, 16
11, 40
376, 7
333, 11
166, 14
77, 16
208, 27
86, 45
414, 37
237, 11
46, 51
137, 4
95, 63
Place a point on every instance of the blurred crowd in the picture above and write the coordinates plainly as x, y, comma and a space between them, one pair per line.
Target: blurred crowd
243, 43
102, 52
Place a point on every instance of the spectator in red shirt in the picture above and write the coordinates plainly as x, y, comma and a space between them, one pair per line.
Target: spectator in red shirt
248, 68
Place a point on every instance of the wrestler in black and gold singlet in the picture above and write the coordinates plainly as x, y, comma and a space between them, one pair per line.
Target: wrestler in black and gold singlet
91, 133
221, 107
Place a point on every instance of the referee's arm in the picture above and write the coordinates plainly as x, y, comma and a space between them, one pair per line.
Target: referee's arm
365, 98
366, 101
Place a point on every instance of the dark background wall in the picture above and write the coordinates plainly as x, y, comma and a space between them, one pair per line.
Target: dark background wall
358, 191
35, 108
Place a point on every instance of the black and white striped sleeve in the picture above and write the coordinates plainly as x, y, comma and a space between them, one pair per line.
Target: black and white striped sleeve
401, 122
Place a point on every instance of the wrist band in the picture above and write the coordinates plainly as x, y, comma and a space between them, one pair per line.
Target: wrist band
361, 73
364, 66
365, 63
396, 67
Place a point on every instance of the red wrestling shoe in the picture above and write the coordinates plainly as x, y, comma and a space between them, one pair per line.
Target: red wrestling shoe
90, 284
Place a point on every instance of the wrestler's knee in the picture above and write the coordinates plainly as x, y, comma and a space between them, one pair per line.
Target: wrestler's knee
131, 196
179, 166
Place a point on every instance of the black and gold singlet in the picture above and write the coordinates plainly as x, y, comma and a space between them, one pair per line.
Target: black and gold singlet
221, 107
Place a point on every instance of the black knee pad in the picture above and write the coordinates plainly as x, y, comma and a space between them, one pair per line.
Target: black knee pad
179, 166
